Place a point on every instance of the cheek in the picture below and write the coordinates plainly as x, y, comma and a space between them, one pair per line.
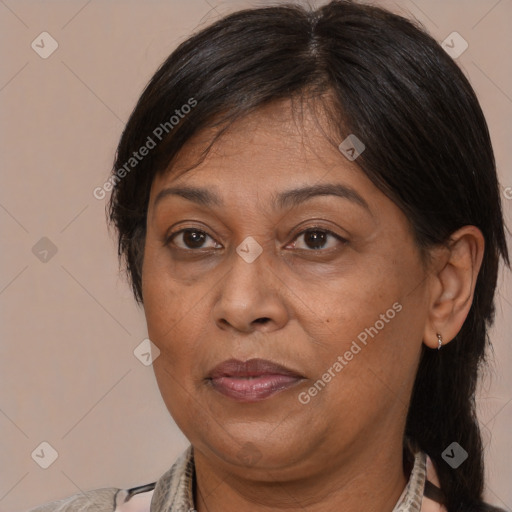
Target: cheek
368, 372
178, 317
171, 316
167, 305
370, 331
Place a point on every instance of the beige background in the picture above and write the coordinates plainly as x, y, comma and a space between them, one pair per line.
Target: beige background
69, 325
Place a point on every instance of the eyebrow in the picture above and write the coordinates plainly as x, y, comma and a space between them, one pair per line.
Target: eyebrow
288, 198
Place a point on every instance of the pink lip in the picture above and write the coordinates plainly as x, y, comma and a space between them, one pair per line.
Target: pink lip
252, 380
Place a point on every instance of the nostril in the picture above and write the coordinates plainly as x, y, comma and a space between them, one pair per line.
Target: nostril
262, 320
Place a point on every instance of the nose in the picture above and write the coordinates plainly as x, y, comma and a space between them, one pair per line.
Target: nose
250, 297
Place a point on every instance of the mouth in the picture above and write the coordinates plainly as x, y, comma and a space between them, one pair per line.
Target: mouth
252, 380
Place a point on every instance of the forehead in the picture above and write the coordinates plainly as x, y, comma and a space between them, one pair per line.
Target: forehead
278, 143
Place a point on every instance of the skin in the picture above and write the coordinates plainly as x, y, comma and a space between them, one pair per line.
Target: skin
299, 307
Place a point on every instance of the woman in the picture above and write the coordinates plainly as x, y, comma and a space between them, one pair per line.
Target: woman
308, 208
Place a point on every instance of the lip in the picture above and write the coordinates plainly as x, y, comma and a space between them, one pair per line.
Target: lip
252, 380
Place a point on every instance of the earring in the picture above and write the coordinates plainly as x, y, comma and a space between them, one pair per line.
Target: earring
440, 341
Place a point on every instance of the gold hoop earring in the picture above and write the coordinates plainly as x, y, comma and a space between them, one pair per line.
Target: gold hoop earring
439, 341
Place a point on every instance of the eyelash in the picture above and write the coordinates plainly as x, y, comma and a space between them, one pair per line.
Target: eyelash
312, 229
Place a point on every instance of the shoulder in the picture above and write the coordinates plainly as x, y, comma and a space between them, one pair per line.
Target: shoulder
99, 500
175, 485
110, 499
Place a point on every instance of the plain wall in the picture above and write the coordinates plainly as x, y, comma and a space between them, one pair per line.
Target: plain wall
69, 325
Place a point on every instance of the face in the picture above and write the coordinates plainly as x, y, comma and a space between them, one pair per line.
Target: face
287, 297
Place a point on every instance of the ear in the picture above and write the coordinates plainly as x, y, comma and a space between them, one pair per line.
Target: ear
452, 285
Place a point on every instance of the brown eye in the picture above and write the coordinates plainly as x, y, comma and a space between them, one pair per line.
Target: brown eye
193, 239
190, 239
316, 239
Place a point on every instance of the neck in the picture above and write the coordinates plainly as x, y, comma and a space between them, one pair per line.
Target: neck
373, 482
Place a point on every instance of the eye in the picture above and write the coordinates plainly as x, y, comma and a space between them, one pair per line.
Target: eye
191, 239
316, 238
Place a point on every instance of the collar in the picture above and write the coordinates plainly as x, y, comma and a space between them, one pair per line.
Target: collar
174, 490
